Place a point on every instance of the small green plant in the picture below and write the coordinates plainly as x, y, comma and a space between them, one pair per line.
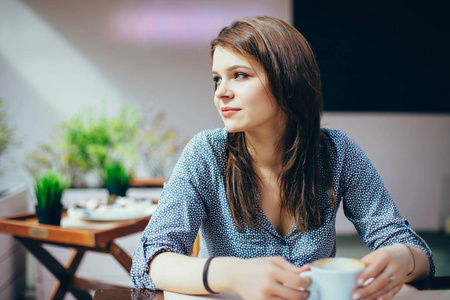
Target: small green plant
49, 187
89, 139
115, 174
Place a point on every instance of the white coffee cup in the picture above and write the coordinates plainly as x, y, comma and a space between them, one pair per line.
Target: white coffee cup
333, 278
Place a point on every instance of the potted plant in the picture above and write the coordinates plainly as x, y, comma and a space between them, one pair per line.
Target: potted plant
115, 177
49, 187
89, 139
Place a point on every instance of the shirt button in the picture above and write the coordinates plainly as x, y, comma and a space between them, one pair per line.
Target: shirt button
283, 243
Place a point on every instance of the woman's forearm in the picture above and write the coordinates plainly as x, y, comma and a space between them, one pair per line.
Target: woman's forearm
177, 273
184, 274
421, 264
254, 278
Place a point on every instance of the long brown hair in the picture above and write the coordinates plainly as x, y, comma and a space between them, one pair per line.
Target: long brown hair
294, 80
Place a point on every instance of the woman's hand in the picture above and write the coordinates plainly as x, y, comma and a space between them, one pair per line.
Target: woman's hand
387, 269
267, 278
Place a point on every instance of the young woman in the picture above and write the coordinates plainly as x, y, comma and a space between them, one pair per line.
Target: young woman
264, 191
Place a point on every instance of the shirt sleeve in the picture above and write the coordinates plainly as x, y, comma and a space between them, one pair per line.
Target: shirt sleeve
175, 223
368, 205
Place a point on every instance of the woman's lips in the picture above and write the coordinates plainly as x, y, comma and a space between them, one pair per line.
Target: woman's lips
229, 111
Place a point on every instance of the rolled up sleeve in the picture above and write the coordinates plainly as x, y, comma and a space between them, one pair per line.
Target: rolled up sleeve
368, 205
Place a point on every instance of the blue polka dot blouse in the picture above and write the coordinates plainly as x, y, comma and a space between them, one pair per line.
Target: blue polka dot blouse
195, 199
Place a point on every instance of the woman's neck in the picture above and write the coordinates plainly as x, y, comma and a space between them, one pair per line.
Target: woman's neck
265, 150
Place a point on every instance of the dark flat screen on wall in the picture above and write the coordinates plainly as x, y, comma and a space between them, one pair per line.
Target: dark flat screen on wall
390, 57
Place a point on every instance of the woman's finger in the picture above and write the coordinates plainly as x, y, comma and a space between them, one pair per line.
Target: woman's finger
389, 295
270, 278
284, 264
380, 284
288, 279
376, 263
393, 284
286, 292
288, 274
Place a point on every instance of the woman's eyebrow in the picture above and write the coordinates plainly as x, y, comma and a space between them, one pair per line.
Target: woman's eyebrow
235, 67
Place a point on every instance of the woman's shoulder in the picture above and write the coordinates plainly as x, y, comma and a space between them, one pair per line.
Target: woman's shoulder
337, 137
210, 139
340, 142
344, 145
334, 134
211, 136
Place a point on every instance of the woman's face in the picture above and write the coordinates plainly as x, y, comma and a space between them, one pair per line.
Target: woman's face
243, 95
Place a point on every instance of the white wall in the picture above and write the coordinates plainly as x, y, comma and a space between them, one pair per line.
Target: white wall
57, 57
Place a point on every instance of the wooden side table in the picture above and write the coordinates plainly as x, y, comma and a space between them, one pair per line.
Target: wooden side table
27, 230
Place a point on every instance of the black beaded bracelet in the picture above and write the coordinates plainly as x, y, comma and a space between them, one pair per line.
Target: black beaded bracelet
205, 276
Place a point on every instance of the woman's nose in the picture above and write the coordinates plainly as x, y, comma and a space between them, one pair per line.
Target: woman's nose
223, 90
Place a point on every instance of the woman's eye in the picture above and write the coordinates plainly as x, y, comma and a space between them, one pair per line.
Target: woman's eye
217, 81
240, 75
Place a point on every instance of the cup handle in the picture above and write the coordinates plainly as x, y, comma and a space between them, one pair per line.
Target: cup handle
312, 288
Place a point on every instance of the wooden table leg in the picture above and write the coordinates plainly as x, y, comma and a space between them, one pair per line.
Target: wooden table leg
63, 275
59, 289
121, 256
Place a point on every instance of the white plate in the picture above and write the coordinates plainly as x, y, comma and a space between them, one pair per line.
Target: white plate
133, 210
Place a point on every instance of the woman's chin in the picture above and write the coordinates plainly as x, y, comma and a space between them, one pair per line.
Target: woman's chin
232, 129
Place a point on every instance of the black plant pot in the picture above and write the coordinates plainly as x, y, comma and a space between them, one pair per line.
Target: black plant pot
120, 191
49, 215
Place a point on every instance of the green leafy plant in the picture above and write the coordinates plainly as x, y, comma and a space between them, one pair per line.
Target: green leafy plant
48, 157
49, 187
115, 174
89, 139
86, 141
